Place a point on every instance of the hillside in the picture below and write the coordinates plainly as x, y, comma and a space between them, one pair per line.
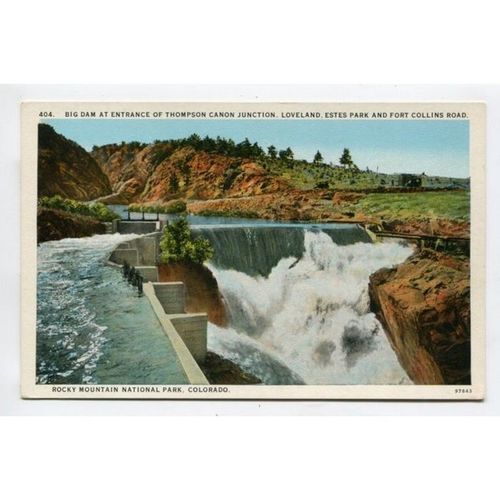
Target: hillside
66, 169
204, 168
219, 177
164, 171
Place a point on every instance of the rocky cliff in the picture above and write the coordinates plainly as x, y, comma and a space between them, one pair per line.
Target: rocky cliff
161, 172
424, 305
65, 168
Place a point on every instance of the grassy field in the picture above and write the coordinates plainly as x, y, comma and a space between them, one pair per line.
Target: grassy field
307, 176
304, 175
454, 205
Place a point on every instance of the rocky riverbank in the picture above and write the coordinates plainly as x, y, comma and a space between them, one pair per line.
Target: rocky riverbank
424, 306
58, 224
343, 206
219, 370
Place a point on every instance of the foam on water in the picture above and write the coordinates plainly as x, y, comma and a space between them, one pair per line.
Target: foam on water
310, 316
91, 325
69, 340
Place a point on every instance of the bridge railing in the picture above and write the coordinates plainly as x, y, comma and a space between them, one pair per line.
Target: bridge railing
143, 217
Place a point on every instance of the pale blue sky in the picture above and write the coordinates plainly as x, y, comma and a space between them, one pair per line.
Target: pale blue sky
437, 147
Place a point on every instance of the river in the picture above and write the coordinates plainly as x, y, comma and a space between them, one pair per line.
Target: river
296, 295
92, 328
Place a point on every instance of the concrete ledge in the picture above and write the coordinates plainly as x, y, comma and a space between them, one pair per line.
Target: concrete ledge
137, 227
187, 332
192, 328
171, 296
149, 273
186, 359
146, 248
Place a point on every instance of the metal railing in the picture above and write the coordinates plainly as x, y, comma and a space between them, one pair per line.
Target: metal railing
133, 276
143, 217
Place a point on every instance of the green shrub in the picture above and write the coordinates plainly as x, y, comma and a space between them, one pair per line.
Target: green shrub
172, 207
230, 175
178, 244
97, 210
149, 209
176, 207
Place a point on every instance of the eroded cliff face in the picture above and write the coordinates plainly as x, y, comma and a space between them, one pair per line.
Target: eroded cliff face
424, 306
66, 169
150, 173
128, 168
202, 291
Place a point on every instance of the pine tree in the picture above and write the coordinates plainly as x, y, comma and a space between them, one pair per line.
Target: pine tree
174, 183
318, 157
345, 159
272, 152
286, 154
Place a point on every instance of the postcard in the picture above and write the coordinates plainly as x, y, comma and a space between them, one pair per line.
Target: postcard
264, 250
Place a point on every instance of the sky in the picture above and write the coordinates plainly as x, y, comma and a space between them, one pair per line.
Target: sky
436, 147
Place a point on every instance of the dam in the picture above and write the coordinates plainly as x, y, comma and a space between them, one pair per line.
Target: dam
295, 294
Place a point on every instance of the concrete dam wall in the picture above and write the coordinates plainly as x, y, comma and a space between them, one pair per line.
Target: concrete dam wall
256, 249
187, 332
135, 226
143, 253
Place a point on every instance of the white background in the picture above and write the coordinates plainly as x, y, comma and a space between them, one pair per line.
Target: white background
195, 42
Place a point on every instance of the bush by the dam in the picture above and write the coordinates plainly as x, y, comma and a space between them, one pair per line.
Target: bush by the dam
97, 211
178, 244
172, 207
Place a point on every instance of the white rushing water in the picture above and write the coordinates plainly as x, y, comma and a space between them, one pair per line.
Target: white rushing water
69, 339
92, 327
309, 319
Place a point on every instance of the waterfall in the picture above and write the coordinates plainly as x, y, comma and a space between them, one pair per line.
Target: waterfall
310, 313
256, 249
296, 296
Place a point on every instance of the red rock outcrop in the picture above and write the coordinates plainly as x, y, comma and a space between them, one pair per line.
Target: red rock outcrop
158, 173
424, 306
128, 167
442, 227
287, 204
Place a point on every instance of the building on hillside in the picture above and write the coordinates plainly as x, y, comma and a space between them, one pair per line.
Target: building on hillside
410, 180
